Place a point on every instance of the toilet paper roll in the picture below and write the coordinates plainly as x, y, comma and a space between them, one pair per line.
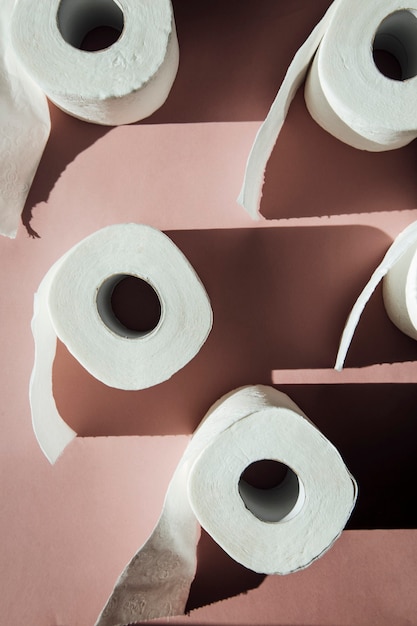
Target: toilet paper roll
345, 92
73, 303
121, 84
398, 270
275, 531
24, 129
40, 56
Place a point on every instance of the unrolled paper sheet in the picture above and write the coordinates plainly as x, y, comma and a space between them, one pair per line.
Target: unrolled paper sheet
41, 57
345, 92
276, 531
73, 303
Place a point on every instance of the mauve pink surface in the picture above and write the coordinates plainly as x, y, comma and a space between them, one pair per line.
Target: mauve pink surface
280, 289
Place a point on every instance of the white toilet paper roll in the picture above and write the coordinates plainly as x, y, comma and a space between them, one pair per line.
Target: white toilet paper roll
345, 92
275, 531
398, 270
73, 303
121, 84
40, 56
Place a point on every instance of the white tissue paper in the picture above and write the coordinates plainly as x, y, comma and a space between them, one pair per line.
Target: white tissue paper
398, 270
73, 303
121, 84
345, 92
24, 129
399, 290
40, 58
273, 531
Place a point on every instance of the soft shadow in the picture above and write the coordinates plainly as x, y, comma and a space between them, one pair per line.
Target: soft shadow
339, 179
280, 298
233, 56
374, 429
218, 576
68, 138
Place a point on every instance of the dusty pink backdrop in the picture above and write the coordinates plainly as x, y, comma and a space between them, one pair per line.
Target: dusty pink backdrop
280, 291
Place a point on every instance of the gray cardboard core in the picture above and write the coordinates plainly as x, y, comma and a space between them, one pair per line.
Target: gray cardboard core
106, 312
276, 504
397, 35
77, 18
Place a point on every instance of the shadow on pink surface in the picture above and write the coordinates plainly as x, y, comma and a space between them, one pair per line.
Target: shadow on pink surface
280, 297
221, 78
339, 179
218, 576
233, 57
69, 137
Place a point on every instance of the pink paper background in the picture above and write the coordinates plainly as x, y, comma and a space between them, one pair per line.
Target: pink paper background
280, 289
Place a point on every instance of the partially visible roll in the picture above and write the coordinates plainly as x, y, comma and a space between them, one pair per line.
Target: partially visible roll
399, 289
347, 94
275, 531
73, 303
345, 91
398, 271
123, 83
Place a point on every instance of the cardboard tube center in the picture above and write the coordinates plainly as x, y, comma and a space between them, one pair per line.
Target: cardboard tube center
128, 305
90, 24
271, 491
395, 45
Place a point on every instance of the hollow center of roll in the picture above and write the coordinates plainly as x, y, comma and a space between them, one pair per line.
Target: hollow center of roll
271, 491
128, 305
395, 45
90, 25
